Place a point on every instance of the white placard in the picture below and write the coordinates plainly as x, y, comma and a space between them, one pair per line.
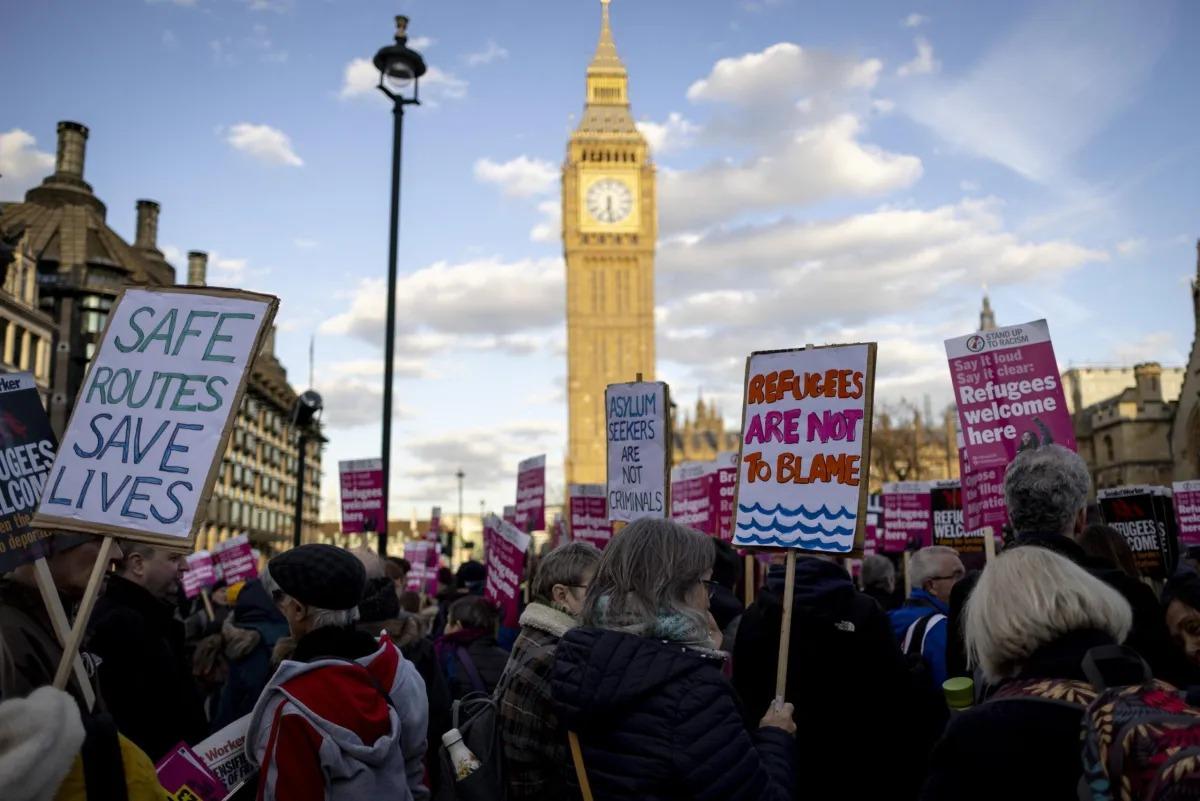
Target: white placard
637, 431
151, 420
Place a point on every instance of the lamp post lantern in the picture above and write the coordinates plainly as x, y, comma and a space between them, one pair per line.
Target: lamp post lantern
400, 71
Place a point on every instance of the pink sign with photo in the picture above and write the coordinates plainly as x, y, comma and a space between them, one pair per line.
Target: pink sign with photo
588, 514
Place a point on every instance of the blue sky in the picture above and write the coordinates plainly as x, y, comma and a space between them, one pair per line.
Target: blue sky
828, 171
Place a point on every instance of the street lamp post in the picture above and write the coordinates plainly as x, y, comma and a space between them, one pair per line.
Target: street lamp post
460, 475
399, 69
304, 417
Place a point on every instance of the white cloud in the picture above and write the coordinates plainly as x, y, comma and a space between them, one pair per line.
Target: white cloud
817, 164
549, 228
492, 52
360, 78
675, 134
489, 455
1153, 346
438, 85
915, 20
968, 186
780, 74
421, 42
1131, 247
1088, 63
22, 165
224, 269
923, 64
304, 244
519, 177
264, 143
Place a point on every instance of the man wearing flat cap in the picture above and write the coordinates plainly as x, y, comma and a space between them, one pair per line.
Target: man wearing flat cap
346, 716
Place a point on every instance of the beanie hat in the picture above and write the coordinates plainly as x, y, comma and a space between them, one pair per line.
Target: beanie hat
379, 601
319, 575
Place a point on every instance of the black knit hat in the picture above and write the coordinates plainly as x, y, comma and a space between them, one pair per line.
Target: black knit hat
320, 575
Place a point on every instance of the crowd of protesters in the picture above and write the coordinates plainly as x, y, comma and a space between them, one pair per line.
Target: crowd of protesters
636, 673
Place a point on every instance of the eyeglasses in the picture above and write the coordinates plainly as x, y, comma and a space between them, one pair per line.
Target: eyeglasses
957, 575
711, 586
577, 586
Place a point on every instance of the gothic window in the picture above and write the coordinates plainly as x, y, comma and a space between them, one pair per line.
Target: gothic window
1108, 449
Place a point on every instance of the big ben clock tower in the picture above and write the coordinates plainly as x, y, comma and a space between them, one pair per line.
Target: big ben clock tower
609, 231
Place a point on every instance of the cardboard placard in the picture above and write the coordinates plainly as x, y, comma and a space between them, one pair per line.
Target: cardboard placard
638, 433
506, 546
1187, 511
27, 448
144, 443
200, 574
805, 449
588, 514
225, 754
363, 504
236, 558
1131, 511
531, 494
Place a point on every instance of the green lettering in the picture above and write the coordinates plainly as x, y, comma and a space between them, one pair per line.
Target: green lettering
168, 320
217, 336
133, 324
188, 330
100, 381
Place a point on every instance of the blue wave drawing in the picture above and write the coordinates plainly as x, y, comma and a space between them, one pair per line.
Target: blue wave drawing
799, 510
803, 529
813, 543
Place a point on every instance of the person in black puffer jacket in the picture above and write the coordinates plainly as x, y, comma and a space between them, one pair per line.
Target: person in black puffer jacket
468, 654
641, 686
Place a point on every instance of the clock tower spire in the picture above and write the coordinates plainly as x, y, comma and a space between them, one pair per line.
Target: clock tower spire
609, 230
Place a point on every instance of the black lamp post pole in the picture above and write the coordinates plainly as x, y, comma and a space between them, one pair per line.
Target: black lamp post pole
298, 522
389, 346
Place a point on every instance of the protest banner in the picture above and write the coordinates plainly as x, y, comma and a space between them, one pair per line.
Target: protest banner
724, 488
946, 509
224, 753
873, 531
144, 443
1187, 511
185, 777
506, 547
907, 516
638, 433
363, 504
509, 514
1168, 526
984, 510
531, 494
804, 458
27, 448
236, 558
199, 575
692, 498
1131, 511
435, 525
588, 514
423, 557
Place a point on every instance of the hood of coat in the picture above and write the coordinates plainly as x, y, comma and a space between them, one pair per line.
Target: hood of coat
601, 673
548, 619
818, 583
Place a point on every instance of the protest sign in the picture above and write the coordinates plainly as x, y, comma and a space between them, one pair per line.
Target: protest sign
185, 777
1187, 510
506, 547
588, 514
27, 448
435, 525
806, 426
873, 531
907, 515
638, 433
510, 514
236, 558
946, 509
531, 494
724, 489
1168, 526
144, 443
224, 753
363, 506
199, 575
692, 498
1130, 510
1008, 392
423, 557
984, 511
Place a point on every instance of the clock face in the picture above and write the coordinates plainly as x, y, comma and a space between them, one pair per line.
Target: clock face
609, 200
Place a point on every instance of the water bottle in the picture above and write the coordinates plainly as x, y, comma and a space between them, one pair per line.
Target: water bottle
960, 694
465, 763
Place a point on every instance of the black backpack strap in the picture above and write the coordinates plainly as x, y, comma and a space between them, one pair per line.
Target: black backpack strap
464, 657
914, 639
103, 768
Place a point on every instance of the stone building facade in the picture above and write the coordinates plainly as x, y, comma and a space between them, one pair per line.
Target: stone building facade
68, 269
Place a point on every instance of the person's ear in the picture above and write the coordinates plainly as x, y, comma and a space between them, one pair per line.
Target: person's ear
559, 593
1080, 522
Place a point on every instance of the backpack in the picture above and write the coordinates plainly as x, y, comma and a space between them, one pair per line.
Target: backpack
477, 718
1141, 741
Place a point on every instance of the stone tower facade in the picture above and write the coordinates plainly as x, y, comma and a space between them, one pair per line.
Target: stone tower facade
610, 227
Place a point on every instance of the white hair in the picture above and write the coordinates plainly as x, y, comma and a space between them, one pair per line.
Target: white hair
341, 618
1030, 596
370, 561
927, 563
878, 571
1045, 490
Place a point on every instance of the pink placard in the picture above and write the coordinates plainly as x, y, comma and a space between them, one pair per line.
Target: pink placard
1187, 511
200, 573
724, 490
183, 768
509, 514
424, 559
531, 494
506, 546
589, 514
982, 496
363, 506
236, 559
907, 516
692, 496
435, 525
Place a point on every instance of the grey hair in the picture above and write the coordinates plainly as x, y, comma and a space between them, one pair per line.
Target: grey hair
878, 571
646, 573
565, 565
341, 618
370, 561
926, 563
128, 549
1030, 596
1045, 489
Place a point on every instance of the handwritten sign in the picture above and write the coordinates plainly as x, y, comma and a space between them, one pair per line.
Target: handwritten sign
802, 480
236, 558
1131, 511
506, 546
589, 514
363, 503
145, 440
638, 434
27, 448
1187, 510
531, 494
200, 573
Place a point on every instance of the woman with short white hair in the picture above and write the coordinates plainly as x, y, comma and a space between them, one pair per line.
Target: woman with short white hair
1032, 618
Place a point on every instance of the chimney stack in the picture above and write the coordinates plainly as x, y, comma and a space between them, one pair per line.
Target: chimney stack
72, 146
147, 225
197, 267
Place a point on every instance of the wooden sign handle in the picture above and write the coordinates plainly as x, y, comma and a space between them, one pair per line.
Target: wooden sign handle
989, 544
785, 631
71, 648
748, 589
62, 625
208, 607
